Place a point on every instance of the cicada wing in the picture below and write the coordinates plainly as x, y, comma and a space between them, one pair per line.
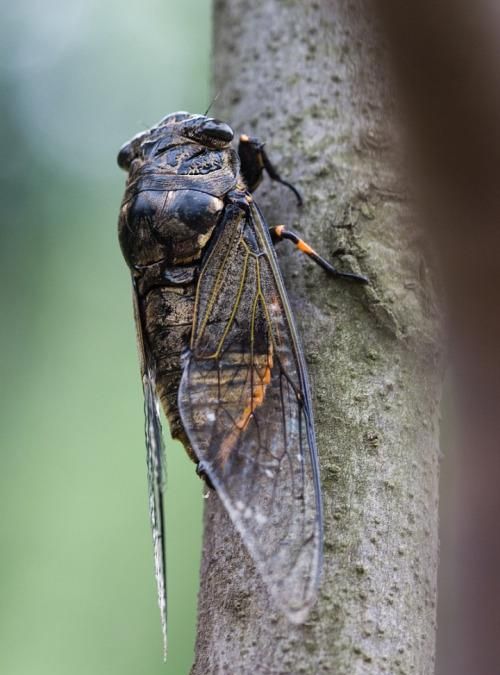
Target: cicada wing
245, 404
155, 457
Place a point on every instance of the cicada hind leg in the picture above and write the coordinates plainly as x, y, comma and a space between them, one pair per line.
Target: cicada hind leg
280, 232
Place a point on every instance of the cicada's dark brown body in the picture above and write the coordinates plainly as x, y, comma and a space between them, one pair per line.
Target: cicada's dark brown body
174, 198
218, 345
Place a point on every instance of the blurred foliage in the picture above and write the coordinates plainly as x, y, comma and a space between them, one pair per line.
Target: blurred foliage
76, 571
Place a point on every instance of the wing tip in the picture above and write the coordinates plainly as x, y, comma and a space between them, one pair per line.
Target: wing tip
297, 613
165, 642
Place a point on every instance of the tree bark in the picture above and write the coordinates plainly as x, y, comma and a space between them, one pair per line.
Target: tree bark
447, 58
312, 80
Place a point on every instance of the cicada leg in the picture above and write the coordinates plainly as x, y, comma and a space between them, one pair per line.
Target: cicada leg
254, 161
279, 232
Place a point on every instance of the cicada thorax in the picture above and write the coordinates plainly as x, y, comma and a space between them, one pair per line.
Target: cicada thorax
166, 221
171, 225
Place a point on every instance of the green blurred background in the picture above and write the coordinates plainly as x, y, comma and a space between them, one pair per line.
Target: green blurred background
78, 79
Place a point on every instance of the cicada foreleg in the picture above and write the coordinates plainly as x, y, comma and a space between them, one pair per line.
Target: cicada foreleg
279, 232
254, 160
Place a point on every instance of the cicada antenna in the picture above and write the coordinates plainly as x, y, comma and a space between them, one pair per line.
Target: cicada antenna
211, 104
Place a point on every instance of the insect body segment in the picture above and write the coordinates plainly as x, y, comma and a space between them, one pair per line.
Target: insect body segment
219, 347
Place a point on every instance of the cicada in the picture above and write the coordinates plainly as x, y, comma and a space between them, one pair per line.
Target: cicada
219, 347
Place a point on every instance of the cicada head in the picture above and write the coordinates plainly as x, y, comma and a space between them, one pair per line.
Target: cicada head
178, 133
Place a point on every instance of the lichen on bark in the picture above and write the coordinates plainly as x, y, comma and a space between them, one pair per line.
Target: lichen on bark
312, 80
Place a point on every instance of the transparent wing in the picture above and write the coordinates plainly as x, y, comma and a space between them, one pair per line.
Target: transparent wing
245, 404
155, 457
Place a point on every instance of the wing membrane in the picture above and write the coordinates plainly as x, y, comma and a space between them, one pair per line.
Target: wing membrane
155, 458
245, 404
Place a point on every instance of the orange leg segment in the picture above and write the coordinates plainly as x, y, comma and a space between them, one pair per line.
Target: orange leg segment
279, 232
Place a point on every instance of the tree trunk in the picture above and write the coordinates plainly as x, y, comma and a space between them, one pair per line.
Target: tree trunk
311, 79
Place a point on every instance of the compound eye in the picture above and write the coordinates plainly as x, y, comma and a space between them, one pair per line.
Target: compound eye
130, 150
218, 131
125, 157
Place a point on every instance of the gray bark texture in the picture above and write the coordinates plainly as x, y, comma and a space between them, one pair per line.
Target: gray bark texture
312, 80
